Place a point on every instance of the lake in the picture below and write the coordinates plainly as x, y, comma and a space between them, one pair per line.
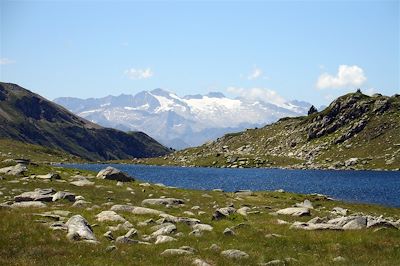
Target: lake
377, 187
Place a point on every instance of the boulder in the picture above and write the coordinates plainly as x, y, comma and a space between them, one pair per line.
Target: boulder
14, 170
49, 176
163, 201
112, 173
166, 230
79, 229
339, 211
122, 207
295, 211
164, 239
315, 226
64, 195
234, 254
173, 219
109, 216
222, 213
38, 194
228, 232
202, 227
305, 204
356, 223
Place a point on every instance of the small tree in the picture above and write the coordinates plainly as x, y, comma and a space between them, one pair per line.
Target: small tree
312, 110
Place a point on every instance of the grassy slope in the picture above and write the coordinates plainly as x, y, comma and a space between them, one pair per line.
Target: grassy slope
24, 241
374, 145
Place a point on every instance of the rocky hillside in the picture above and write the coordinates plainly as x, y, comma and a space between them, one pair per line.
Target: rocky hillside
30, 118
355, 131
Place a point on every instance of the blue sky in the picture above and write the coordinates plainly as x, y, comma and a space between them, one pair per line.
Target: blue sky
312, 51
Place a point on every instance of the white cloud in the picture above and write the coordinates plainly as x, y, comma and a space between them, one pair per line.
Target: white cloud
134, 73
6, 61
259, 94
255, 74
347, 76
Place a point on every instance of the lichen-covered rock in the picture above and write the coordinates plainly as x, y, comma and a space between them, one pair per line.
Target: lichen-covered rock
234, 254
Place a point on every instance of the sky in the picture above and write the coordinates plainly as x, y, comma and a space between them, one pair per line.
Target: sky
276, 50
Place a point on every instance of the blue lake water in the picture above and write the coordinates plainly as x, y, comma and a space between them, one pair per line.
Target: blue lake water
378, 187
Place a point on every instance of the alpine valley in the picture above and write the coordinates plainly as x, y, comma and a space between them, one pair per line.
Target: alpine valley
180, 122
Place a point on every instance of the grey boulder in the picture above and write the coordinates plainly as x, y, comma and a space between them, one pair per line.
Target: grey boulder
112, 173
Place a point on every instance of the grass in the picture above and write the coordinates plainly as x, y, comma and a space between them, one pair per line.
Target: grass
24, 241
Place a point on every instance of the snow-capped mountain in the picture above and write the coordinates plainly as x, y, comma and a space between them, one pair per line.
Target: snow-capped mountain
180, 122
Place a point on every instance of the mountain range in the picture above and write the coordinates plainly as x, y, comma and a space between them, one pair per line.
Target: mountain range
355, 131
29, 118
181, 122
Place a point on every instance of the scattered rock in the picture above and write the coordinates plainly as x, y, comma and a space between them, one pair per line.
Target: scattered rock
339, 259
228, 232
109, 235
14, 170
295, 211
202, 227
112, 173
222, 213
80, 203
339, 211
163, 201
109, 216
166, 230
36, 195
243, 211
164, 239
49, 176
234, 254
175, 251
200, 262
305, 204
63, 195
79, 229
82, 183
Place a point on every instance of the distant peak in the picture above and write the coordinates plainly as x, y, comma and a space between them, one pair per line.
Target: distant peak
160, 92
214, 94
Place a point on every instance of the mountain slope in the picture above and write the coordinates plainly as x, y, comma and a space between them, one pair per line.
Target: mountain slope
180, 122
354, 131
30, 118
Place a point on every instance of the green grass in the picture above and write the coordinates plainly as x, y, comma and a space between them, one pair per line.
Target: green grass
23, 241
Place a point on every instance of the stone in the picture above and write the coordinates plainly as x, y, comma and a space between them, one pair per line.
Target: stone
146, 211
315, 226
175, 251
125, 226
82, 183
228, 232
79, 229
63, 195
122, 207
164, 239
222, 213
356, 224
58, 226
339, 211
14, 170
295, 211
234, 254
189, 213
125, 240
28, 204
36, 195
166, 230
380, 223
163, 201
196, 233
173, 219
200, 262
111, 173
244, 193
339, 259
111, 248
215, 248
202, 227
131, 233
109, 235
109, 216
243, 211
80, 203
188, 248
49, 176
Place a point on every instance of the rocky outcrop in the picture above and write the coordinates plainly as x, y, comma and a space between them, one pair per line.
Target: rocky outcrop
18, 169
